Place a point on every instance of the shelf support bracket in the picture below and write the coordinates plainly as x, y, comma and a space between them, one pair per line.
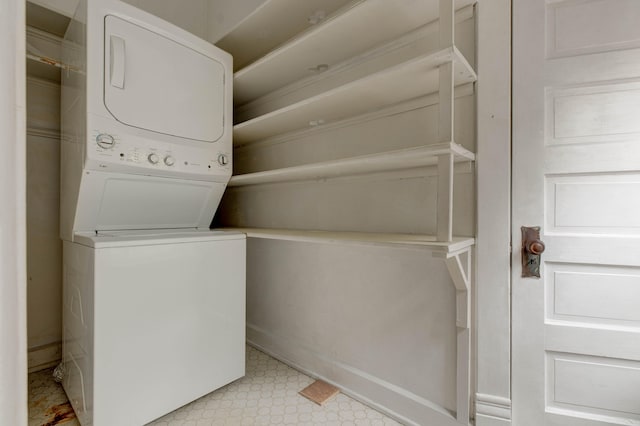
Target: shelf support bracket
459, 267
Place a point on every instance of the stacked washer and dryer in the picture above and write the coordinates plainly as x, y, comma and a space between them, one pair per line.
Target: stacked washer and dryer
154, 301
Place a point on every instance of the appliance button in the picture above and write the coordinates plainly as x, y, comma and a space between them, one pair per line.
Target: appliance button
169, 160
223, 160
153, 158
105, 141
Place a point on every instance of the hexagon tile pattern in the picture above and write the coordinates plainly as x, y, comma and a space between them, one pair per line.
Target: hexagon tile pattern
267, 395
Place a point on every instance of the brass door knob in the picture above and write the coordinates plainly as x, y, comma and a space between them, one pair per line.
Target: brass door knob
532, 248
535, 247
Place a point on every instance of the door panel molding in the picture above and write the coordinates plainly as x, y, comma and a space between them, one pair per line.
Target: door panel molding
581, 17
576, 144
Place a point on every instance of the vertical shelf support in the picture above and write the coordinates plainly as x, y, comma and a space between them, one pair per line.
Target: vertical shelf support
445, 102
446, 98
459, 266
446, 23
444, 208
447, 82
458, 263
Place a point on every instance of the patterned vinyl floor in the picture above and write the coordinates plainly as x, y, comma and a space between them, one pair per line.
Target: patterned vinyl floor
267, 395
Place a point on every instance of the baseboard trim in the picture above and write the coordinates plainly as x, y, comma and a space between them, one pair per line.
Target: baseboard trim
492, 410
355, 383
45, 356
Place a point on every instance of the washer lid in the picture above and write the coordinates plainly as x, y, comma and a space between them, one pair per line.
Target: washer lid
157, 84
108, 239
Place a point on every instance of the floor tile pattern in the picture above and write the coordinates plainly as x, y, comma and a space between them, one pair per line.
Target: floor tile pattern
267, 395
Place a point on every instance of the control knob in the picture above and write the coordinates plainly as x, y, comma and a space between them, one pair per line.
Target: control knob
153, 158
169, 160
105, 141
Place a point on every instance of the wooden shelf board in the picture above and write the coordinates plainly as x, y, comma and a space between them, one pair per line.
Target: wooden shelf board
391, 160
375, 91
381, 239
334, 40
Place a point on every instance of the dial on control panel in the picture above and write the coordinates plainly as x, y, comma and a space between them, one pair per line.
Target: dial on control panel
169, 160
105, 141
153, 158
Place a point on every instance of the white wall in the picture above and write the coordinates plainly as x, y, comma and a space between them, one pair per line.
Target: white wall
377, 322
44, 248
63, 7
224, 15
208, 19
13, 362
190, 15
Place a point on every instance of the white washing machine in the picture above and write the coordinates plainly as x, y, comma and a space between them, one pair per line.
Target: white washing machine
154, 301
153, 321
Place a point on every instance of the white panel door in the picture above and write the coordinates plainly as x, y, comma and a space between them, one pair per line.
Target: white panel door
576, 173
154, 83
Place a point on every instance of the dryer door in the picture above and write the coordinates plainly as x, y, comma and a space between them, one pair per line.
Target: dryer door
154, 83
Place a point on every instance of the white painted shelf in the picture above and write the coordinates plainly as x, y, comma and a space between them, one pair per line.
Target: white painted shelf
276, 96
372, 92
386, 161
458, 244
257, 34
356, 28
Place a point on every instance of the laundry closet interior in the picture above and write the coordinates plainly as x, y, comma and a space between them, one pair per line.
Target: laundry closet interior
353, 178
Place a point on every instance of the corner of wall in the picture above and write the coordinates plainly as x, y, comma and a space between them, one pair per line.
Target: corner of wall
492, 410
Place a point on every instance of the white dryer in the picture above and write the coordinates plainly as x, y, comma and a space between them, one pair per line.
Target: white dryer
146, 123
153, 312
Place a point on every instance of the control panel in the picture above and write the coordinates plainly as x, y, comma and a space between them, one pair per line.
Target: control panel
105, 141
111, 151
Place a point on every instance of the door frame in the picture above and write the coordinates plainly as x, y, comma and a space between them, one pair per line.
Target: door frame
493, 251
493, 326
13, 283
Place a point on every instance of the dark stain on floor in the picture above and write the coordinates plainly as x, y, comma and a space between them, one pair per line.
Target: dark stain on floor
61, 413
37, 404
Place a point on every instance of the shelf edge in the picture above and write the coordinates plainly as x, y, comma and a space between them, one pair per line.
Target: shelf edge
463, 13
396, 108
432, 59
341, 167
365, 238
